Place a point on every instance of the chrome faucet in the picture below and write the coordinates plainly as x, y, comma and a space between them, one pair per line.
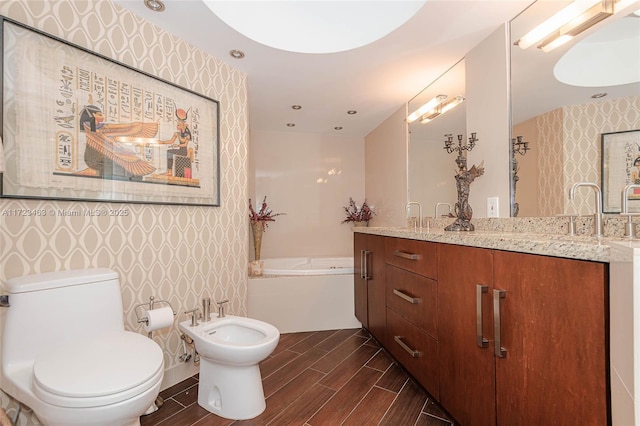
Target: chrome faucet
630, 228
408, 207
221, 308
597, 217
435, 213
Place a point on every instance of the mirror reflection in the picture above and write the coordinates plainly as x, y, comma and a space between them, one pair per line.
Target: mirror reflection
564, 98
431, 171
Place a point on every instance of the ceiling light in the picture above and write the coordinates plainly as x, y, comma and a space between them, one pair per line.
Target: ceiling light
586, 20
338, 128
291, 125
352, 111
599, 95
425, 108
296, 107
237, 54
155, 5
314, 26
555, 22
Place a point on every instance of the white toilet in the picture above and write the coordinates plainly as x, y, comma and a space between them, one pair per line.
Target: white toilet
66, 355
230, 349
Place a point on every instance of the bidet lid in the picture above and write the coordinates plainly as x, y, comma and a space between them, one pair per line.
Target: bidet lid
106, 365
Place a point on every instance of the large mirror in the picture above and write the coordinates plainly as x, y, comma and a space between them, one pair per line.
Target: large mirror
431, 171
564, 100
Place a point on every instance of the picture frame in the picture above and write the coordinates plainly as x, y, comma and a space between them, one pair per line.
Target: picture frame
620, 167
79, 126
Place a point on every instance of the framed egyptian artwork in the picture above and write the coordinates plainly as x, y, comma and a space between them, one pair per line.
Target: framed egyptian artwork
79, 126
620, 167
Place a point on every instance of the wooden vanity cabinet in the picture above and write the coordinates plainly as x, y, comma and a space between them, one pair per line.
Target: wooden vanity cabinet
549, 315
411, 298
369, 287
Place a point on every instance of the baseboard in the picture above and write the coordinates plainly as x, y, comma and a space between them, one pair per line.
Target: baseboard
178, 373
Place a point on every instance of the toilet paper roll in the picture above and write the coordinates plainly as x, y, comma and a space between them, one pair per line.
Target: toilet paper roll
159, 318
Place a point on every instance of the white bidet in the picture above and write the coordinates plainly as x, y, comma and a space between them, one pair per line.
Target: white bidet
230, 349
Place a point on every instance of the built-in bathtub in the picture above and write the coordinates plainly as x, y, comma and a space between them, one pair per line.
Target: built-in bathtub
304, 294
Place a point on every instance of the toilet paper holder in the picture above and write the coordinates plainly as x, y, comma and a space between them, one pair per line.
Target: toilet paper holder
142, 318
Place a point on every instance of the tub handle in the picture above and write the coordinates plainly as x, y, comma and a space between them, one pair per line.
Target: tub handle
405, 296
403, 345
405, 255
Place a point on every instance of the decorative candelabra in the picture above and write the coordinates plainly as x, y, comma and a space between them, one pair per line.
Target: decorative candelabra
517, 147
464, 177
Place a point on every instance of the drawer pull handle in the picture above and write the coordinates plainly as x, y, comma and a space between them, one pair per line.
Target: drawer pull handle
413, 353
412, 300
480, 340
498, 350
405, 255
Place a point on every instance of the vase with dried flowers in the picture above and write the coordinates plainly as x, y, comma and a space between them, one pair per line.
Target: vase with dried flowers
259, 221
360, 216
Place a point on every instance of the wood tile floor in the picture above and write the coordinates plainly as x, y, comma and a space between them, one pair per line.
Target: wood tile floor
337, 377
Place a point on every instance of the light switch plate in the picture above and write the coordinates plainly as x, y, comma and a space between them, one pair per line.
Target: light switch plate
492, 207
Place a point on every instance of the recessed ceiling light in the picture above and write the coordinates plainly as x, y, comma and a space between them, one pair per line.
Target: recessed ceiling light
155, 5
237, 54
296, 107
291, 124
599, 95
352, 111
338, 128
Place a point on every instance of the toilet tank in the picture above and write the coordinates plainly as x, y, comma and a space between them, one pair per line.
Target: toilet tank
57, 307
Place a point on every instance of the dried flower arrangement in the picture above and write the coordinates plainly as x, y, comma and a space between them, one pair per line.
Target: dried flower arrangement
264, 215
355, 214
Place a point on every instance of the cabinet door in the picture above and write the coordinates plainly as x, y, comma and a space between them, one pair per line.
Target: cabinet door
359, 281
467, 371
553, 328
376, 304
369, 287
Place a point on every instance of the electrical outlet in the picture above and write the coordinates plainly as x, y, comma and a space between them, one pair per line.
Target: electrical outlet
492, 207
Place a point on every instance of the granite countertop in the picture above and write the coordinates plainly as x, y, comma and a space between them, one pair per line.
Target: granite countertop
572, 247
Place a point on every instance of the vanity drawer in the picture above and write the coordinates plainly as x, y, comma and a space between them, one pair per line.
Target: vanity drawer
413, 255
415, 350
413, 297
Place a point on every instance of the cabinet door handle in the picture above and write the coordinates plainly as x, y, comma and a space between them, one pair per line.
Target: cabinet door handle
405, 296
362, 272
480, 340
366, 264
498, 350
405, 255
413, 353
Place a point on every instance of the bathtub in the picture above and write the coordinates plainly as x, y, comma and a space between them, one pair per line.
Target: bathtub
304, 294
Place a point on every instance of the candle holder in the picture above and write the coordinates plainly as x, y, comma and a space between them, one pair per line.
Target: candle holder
464, 178
517, 147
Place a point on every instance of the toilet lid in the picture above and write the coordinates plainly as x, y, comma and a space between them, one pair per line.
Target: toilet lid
106, 365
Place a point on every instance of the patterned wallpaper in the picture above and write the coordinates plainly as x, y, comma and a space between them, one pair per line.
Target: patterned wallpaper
175, 253
570, 147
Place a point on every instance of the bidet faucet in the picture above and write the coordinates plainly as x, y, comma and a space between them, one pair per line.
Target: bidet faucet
630, 228
221, 308
435, 213
408, 207
597, 217
194, 316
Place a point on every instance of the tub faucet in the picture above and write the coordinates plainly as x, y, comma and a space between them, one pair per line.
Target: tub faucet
221, 308
597, 217
630, 228
408, 207
435, 213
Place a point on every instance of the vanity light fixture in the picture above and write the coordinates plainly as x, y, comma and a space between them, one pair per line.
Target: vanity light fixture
441, 109
432, 104
155, 5
567, 23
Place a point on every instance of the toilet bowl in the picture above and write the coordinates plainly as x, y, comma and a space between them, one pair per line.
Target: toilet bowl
66, 355
230, 349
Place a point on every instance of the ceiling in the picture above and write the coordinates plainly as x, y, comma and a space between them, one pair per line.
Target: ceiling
375, 80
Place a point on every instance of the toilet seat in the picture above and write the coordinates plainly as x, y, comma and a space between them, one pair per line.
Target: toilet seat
100, 371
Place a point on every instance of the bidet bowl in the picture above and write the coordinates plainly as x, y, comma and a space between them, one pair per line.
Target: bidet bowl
233, 340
